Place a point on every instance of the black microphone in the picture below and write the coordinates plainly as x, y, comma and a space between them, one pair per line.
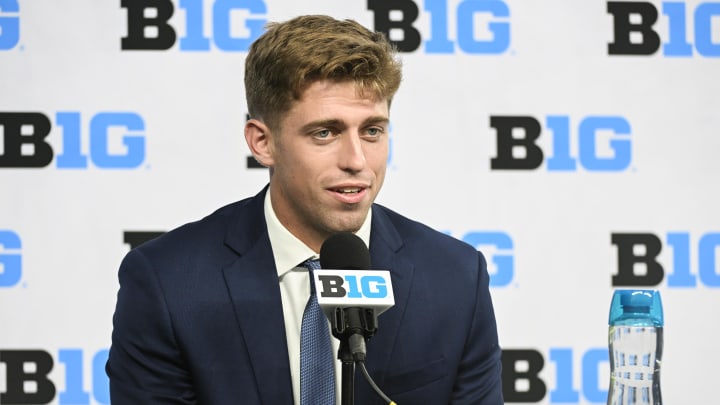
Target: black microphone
352, 296
344, 251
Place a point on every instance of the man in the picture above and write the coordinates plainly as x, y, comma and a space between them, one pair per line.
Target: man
210, 313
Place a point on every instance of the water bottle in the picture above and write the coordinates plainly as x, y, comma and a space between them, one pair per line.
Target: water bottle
635, 342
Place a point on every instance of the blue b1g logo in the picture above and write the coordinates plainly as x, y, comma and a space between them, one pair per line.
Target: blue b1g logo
25, 144
352, 286
590, 130
148, 26
27, 377
9, 24
396, 19
522, 368
642, 250
10, 258
634, 29
497, 246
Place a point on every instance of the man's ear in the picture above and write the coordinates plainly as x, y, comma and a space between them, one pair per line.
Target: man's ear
257, 136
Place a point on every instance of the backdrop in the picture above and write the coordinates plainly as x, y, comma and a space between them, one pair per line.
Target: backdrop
574, 143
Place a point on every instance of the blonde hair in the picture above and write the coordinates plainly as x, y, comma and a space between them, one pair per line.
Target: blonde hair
293, 54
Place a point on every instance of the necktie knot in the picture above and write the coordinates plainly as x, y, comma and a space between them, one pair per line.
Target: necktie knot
312, 264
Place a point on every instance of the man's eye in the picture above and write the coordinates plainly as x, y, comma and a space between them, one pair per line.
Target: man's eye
323, 133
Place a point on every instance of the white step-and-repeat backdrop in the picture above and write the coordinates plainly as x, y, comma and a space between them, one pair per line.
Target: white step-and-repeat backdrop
575, 143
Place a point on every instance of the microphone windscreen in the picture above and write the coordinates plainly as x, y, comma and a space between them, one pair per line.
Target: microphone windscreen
344, 251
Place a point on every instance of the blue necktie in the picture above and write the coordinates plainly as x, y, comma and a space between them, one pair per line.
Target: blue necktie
317, 373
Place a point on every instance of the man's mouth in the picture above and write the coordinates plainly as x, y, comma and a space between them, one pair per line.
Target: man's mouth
349, 190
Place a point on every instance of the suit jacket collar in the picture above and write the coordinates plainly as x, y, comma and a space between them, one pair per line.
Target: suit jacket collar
247, 225
386, 253
254, 288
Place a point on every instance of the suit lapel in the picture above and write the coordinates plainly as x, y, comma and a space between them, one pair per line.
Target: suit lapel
385, 254
255, 292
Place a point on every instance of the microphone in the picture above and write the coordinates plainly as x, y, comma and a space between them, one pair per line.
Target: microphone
351, 295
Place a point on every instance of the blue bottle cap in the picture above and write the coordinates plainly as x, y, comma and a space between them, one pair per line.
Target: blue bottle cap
636, 307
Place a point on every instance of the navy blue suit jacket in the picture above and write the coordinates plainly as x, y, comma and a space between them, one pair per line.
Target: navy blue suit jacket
199, 317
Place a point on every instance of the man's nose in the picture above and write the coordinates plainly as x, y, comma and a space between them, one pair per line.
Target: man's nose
352, 156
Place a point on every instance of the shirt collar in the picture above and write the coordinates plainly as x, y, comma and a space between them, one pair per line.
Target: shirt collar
294, 251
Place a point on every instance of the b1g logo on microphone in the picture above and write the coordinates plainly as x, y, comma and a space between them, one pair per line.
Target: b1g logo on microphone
635, 32
396, 17
107, 145
638, 264
234, 24
10, 258
350, 288
603, 143
28, 379
9, 24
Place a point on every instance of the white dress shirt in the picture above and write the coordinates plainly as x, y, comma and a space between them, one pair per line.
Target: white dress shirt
289, 253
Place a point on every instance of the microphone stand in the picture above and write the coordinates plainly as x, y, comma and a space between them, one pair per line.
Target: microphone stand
347, 385
347, 323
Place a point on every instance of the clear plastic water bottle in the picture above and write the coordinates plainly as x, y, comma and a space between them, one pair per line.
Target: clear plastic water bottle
635, 342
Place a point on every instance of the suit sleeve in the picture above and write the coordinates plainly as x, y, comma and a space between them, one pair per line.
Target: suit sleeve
478, 381
145, 364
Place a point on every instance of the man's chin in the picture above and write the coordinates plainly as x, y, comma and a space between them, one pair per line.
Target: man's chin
346, 224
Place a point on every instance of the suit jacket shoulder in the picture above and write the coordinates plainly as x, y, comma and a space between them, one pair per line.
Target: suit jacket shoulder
425, 243
199, 316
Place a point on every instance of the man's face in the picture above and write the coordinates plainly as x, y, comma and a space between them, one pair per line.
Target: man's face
328, 161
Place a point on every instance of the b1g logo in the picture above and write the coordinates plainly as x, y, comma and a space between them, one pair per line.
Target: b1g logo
638, 264
395, 18
522, 381
24, 140
9, 24
28, 377
517, 147
149, 28
10, 258
352, 284
635, 32
353, 288
497, 246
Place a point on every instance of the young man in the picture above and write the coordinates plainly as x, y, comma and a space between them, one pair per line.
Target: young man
211, 313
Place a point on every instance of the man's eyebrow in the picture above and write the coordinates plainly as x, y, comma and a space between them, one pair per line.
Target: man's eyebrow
336, 123
322, 123
379, 119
